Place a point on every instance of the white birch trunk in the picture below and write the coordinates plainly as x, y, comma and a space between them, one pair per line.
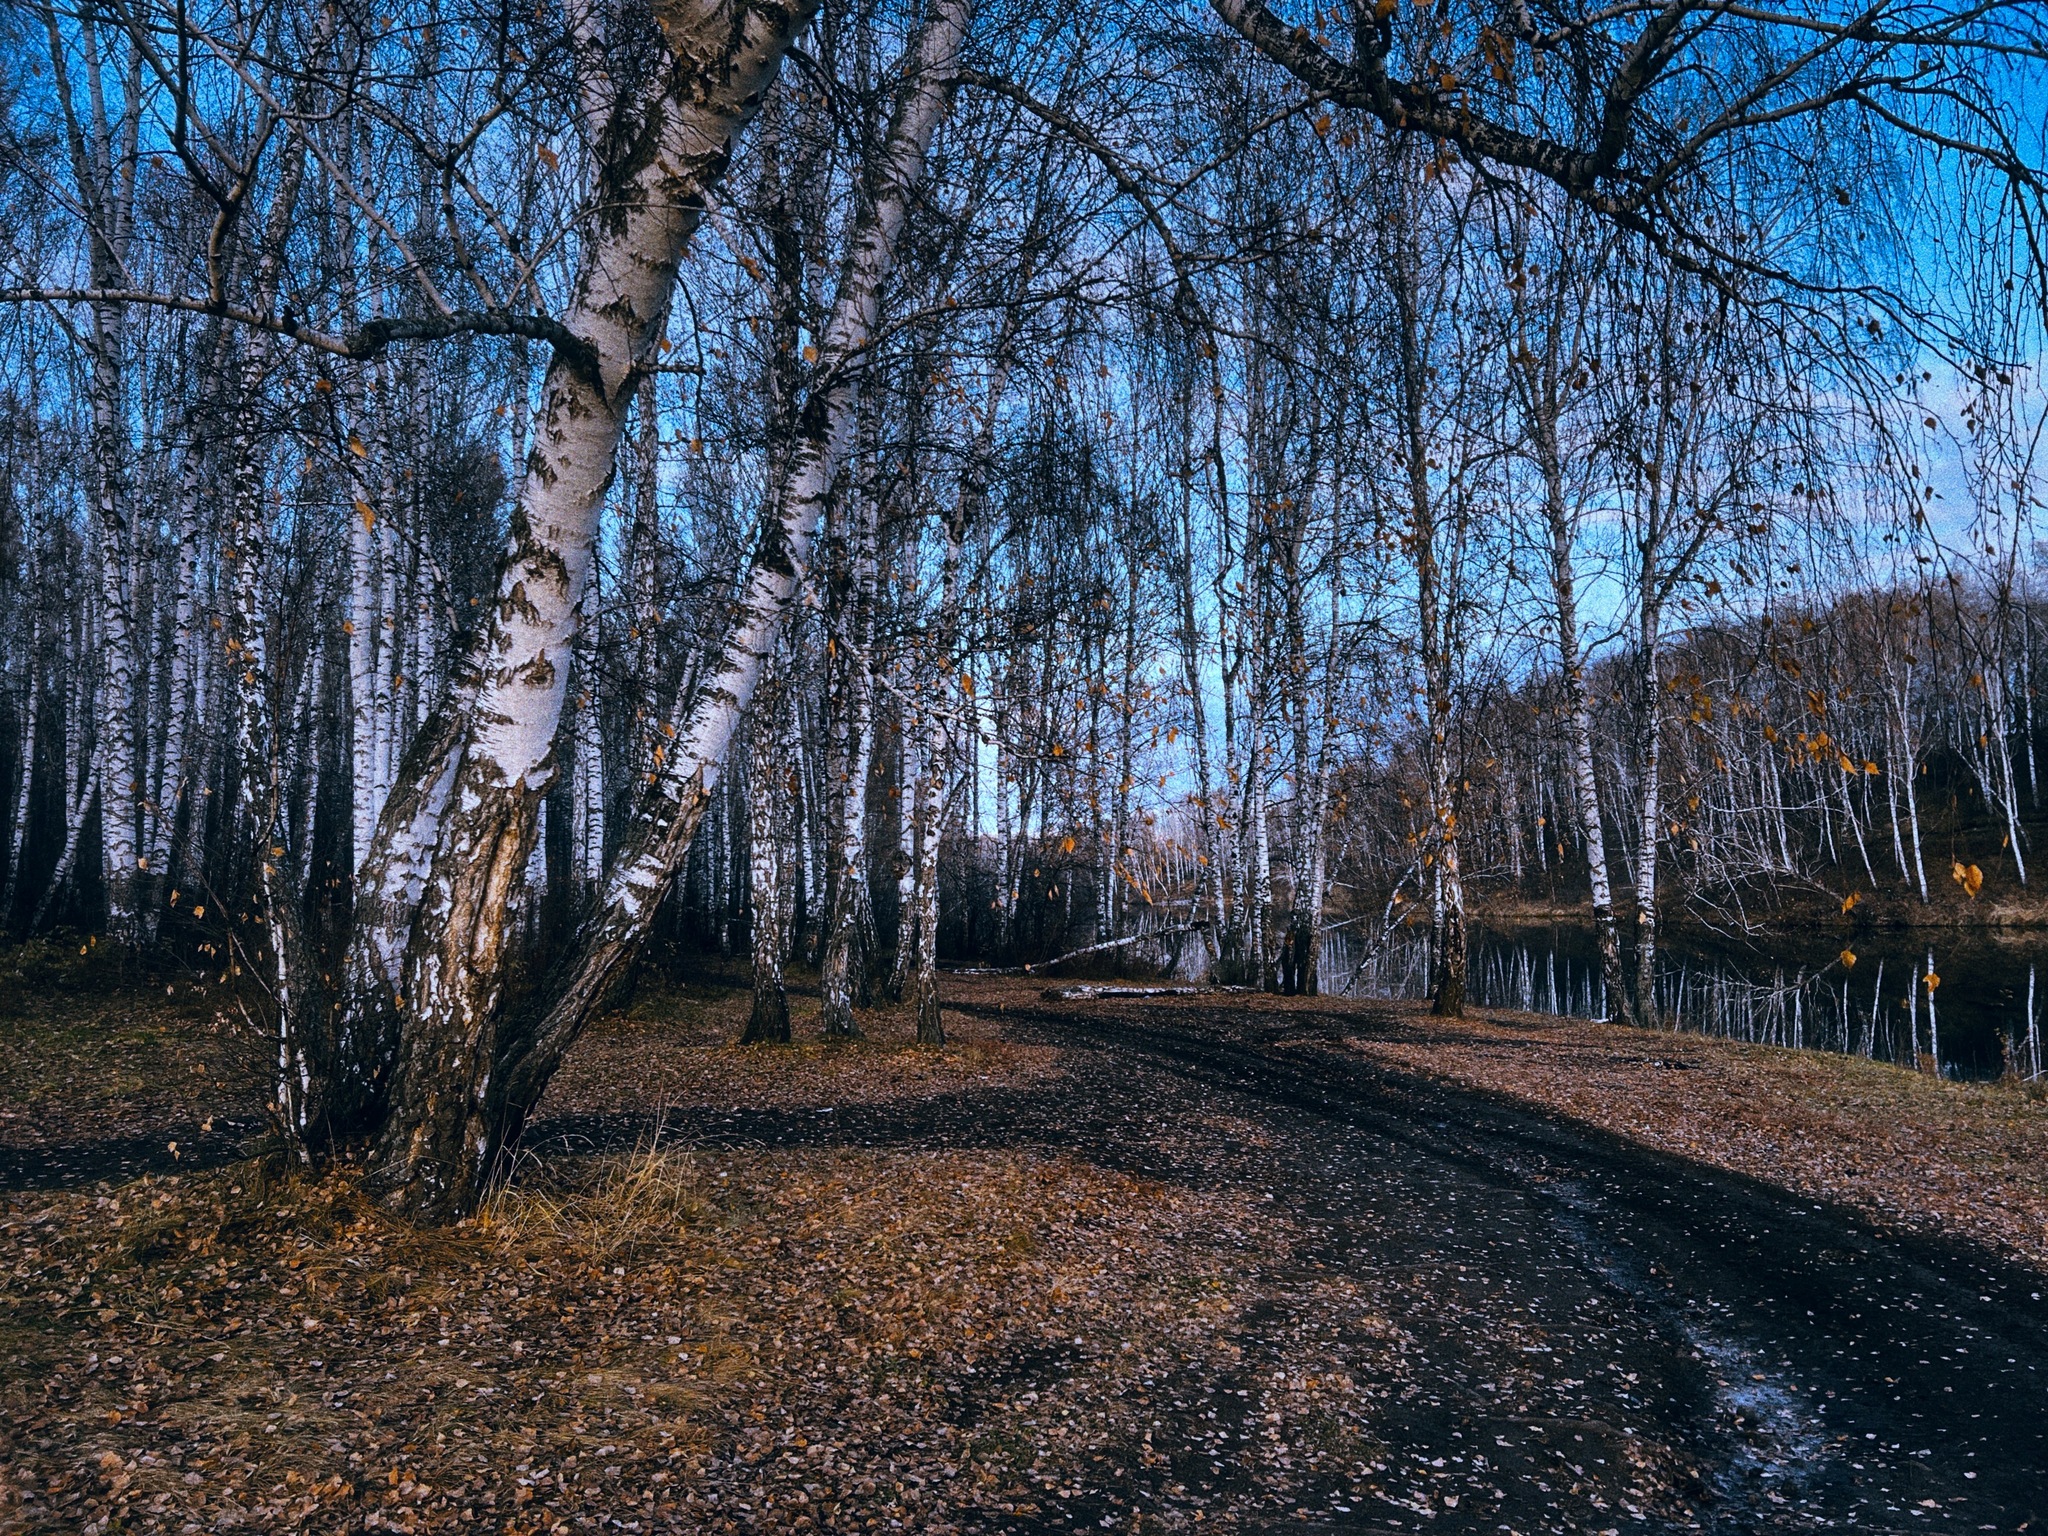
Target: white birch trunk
1649, 823
909, 784
364, 625
102, 149
464, 840
31, 696
767, 807
843, 976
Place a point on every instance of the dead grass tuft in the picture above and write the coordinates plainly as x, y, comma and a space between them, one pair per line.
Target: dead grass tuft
623, 1206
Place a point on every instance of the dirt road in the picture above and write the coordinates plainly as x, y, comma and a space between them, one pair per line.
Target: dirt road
1603, 1337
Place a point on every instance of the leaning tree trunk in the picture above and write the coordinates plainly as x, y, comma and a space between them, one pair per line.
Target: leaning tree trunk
654, 168
672, 805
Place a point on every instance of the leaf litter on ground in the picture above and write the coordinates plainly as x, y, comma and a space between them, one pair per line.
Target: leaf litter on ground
665, 1340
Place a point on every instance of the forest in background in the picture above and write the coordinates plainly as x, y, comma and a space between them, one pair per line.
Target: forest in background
866, 484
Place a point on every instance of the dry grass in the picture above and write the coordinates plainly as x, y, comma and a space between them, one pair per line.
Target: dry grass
1965, 1158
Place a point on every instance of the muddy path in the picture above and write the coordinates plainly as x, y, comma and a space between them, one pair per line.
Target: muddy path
1608, 1337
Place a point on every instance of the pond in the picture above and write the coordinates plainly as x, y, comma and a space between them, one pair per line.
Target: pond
1980, 1015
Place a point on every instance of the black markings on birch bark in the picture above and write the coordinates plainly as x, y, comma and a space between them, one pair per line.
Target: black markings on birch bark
665, 820
656, 159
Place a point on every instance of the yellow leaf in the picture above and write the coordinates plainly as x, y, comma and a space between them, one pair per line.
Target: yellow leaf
355, 446
1848, 959
1067, 844
1851, 899
810, 353
367, 513
1933, 981
548, 157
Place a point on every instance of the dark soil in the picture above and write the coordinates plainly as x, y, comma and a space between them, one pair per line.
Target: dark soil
1606, 1334
1461, 1314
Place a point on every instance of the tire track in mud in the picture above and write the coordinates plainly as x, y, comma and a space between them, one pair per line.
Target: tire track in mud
1846, 1376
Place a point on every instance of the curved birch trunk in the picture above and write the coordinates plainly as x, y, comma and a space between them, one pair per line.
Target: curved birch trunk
468, 838
670, 807
78, 803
